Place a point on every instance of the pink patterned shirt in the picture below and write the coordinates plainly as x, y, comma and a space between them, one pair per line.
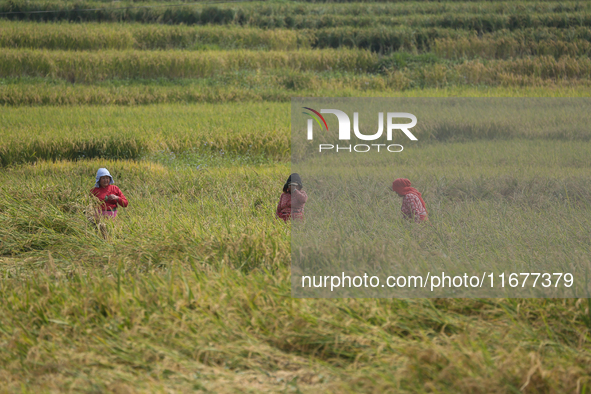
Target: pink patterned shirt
291, 205
413, 208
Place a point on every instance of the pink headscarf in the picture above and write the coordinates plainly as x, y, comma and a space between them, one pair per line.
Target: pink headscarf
402, 187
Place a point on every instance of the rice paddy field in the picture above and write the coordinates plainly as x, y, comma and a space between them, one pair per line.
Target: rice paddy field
188, 106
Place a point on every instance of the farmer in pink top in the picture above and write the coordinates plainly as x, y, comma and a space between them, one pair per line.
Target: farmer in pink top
413, 206
291, 202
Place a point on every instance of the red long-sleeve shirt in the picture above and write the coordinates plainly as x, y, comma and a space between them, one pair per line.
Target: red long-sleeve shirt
291, 205
111, 205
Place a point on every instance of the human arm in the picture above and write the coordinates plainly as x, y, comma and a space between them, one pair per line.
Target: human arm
117, 196
299, 196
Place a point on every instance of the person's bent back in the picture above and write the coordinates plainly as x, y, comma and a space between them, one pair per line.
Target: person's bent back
413, 205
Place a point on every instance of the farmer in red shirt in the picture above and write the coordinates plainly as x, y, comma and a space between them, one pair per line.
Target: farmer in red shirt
413, 206
292, 200
109, 194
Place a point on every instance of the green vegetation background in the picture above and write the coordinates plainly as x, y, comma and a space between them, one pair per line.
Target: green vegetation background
188, 107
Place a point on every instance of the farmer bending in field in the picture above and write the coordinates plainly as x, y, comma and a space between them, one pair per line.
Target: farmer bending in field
413, 206
109, 195
291, 202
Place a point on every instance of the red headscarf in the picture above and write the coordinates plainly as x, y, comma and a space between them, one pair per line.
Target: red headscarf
402, 187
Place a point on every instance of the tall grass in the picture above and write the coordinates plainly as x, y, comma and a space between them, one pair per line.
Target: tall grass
54, 218
451, 43
505, 48
524, 71
407, 72
54, 133
90, 67
291, 15
446, 42
93, 66
472, 190
129, 133
339, 8
313, 16
481, 23
93, 36
272, 87
192, 288
225, 332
